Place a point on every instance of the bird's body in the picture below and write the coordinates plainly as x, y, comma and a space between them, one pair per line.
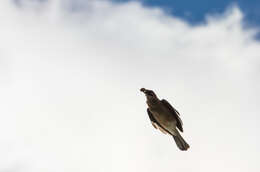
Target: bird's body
165, 118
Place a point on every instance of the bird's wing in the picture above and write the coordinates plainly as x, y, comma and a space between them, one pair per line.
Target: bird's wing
174, 112
156, 124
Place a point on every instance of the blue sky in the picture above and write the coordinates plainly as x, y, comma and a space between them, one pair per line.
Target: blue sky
194, 11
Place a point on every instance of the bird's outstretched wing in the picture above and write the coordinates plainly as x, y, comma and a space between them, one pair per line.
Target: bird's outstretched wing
156, 124
174, 112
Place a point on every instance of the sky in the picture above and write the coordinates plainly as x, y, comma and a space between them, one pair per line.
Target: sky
195, 11
70, 75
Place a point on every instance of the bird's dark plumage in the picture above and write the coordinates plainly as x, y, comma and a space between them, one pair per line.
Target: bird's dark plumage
155, 123
165, 118
175, 113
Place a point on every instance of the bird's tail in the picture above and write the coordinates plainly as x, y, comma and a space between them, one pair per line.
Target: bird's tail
180, 142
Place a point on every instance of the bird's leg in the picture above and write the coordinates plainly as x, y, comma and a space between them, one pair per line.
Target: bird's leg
158, 127
154, 125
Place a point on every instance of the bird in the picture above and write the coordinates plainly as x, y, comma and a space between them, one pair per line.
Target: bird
165, 118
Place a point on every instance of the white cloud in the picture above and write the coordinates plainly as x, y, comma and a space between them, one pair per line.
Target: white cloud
70, 80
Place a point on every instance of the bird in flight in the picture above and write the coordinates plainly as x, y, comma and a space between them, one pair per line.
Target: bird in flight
165, 118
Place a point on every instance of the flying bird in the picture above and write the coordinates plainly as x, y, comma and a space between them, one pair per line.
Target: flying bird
165, 118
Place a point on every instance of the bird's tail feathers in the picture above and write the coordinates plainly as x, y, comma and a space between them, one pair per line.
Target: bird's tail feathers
180, 142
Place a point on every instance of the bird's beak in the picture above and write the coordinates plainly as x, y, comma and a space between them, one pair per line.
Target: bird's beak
143, 90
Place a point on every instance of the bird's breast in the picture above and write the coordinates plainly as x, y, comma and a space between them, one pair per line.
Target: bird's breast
163, 116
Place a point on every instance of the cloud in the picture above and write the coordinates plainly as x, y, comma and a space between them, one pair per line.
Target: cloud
70, 78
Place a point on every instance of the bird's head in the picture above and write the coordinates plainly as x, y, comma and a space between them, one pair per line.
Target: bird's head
150, 95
